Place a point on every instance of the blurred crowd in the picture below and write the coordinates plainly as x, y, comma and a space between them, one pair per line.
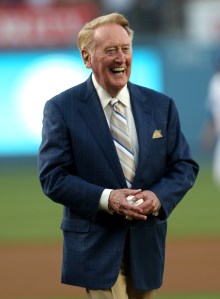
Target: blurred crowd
149, 15
145, 15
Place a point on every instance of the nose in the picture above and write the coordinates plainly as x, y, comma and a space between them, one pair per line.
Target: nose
120, 57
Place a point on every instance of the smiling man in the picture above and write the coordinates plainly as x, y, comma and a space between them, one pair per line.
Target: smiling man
114, 156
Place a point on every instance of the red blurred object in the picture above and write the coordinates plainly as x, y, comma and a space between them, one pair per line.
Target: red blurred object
43, 27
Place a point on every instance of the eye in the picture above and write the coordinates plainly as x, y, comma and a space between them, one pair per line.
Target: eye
110, 51
126, 49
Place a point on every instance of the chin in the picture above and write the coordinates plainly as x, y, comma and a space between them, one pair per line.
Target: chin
120, 83
120, 86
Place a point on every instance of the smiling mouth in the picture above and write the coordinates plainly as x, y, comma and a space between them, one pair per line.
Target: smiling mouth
118, 70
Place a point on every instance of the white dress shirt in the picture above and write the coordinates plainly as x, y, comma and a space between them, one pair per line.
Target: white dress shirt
123, 97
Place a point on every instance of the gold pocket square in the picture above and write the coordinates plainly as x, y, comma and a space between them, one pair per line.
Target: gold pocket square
157, 134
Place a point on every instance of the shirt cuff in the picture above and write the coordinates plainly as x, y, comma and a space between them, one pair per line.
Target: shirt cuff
103, 203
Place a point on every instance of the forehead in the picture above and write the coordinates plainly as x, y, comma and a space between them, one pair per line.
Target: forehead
111, 34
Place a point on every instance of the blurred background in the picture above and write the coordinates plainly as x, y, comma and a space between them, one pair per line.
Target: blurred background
176, 49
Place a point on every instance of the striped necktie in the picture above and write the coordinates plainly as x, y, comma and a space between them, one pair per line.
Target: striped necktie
121, 138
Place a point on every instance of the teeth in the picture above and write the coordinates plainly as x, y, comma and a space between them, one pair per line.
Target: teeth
118, 69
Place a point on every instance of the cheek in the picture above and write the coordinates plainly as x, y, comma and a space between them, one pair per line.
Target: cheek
129, 61
98, 66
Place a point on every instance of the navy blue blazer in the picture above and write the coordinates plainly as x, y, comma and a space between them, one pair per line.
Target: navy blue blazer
78, 160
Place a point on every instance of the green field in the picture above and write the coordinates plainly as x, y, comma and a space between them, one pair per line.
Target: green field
26, 215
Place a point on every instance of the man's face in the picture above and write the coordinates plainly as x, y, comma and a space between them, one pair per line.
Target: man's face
111, 61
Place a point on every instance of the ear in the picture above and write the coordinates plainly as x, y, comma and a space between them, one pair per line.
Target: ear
86, 58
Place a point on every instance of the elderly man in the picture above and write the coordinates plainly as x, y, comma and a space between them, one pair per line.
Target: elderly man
114, 156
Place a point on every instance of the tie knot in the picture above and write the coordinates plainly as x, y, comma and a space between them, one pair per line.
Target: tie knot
117, 106
114, 102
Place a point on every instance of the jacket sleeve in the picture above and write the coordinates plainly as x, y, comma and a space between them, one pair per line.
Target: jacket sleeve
181, 170
57, 171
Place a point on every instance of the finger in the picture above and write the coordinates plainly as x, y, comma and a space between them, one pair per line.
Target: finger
132, 192
137, 191
140, 195
150, 206
134, 211
133, 215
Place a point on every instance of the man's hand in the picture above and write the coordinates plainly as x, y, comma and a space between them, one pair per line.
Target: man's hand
118, 203
151, 202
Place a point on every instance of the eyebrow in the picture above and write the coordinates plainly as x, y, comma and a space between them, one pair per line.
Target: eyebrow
117, 46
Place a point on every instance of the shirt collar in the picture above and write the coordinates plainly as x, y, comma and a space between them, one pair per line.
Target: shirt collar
105, 98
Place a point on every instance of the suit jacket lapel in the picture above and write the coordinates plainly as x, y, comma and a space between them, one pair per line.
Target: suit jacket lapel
93, 114
142, 112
